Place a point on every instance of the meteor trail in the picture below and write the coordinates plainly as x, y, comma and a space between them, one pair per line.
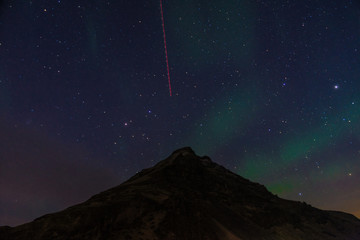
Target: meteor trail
166, 55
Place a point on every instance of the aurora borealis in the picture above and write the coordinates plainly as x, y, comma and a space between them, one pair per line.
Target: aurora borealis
269, 89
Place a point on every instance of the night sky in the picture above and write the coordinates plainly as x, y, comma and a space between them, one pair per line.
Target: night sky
269, 89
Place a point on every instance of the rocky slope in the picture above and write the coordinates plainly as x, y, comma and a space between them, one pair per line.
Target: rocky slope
188, 197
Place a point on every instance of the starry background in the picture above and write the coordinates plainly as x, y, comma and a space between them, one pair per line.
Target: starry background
269, 89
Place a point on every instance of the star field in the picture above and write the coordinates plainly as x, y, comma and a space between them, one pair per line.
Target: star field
269, 89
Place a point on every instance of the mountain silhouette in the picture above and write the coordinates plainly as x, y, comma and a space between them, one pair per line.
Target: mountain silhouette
187, 197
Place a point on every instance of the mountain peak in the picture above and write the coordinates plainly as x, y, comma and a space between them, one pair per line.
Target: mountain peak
187, 197
183, 168
182, 154
185, 155
184, 150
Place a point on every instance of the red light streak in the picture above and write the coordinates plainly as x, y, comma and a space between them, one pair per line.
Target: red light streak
166, 55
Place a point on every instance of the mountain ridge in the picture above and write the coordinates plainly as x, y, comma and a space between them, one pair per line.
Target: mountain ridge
188, 197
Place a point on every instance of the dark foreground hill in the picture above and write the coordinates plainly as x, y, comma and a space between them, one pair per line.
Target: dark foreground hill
188, 197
